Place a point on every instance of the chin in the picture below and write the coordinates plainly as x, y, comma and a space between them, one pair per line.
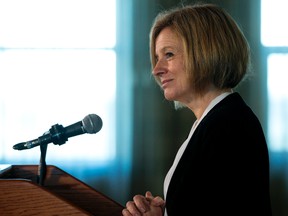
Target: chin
169, 97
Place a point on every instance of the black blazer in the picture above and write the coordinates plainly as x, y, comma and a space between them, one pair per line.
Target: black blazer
225, 167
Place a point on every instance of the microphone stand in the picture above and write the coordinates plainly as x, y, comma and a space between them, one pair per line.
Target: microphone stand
42, 165
56, 132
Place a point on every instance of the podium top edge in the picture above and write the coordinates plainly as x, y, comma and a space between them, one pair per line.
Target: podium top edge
4, 167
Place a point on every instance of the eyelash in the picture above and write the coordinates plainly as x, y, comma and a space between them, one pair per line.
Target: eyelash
167, 56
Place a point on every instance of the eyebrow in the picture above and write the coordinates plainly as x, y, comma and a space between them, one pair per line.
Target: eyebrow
175, 49
165, 48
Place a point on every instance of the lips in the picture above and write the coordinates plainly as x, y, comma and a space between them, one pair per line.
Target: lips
165, 82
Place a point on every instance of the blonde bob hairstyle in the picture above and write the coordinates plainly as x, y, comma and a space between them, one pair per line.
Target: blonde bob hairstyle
215, 49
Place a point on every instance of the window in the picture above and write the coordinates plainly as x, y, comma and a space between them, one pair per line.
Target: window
274, 38
57, 65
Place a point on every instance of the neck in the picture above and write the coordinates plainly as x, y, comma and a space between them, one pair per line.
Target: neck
199, 103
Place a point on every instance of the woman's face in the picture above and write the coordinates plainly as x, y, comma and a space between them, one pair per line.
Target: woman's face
170, 68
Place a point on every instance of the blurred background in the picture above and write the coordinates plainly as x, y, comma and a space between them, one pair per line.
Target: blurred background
61, 60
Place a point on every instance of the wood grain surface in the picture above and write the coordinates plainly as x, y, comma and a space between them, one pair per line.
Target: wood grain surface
61, 194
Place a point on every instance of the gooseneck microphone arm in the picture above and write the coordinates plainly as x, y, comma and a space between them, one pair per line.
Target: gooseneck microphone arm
55, 135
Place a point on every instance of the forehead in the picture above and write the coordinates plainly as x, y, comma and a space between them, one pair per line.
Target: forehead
167, 38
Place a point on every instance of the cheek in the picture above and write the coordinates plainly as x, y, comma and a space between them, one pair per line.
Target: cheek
179, 66
180, 72
184, 80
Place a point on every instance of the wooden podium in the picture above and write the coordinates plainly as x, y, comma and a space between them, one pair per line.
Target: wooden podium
61, 194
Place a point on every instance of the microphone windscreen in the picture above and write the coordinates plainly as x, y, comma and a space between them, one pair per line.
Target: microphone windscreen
92, 123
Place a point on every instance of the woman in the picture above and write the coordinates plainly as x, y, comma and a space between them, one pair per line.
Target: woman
199, 55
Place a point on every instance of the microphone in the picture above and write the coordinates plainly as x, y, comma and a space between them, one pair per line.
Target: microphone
91, 124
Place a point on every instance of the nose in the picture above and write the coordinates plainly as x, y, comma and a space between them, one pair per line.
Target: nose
160, 68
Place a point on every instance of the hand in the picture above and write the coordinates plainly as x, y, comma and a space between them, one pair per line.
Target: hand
147, 205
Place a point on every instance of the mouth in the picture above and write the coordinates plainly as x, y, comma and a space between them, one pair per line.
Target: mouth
164, 83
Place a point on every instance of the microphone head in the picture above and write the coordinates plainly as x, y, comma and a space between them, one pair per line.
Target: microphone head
92, 123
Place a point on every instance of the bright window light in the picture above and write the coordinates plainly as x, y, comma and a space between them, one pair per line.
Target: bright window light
278, 101
57, 65
57, 23
274, 18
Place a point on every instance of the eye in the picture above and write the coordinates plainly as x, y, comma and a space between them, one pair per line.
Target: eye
169, 55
